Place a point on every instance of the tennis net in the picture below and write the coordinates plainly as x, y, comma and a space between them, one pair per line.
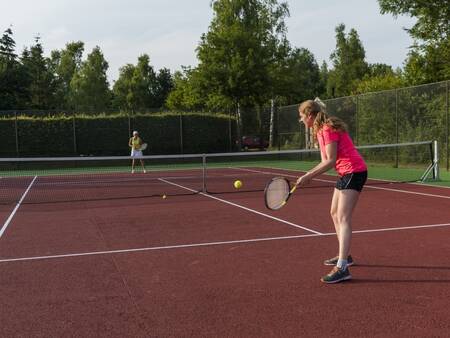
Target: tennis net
68, 179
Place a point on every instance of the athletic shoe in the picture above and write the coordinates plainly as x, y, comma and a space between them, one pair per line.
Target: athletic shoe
132, 171
145, 171
336, 275
334, 260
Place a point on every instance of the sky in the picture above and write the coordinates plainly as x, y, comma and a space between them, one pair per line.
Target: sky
169, 30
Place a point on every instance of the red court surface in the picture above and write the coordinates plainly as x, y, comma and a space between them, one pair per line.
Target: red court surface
223, 266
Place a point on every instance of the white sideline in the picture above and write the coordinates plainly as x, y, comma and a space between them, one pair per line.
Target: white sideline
329, 181
5, 225
242, 207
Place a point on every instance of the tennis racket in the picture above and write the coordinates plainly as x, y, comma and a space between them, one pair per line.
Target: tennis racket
143, 146
277, 192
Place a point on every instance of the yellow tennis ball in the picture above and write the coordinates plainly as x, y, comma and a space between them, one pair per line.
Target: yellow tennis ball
237, 184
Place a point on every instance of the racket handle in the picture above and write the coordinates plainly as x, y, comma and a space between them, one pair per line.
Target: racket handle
293, 188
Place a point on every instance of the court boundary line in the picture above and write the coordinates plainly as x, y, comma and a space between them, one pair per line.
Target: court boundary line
242, 207
329, 181
194, 245
9, 219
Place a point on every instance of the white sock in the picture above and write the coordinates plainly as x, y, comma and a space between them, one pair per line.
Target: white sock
342, 264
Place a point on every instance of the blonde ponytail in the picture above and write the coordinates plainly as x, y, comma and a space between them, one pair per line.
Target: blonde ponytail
317, 109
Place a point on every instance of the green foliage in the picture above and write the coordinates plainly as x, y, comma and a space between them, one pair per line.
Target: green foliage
65, 64
348, 61
428, 64
7, 46
140, 88
41, 87
378, 83
13, 77
187, 93
89, 89
429, 60
164, 85
236, 54
297, 77
7, 135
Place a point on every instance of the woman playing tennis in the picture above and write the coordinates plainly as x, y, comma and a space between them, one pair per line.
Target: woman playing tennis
135, 143
337, 150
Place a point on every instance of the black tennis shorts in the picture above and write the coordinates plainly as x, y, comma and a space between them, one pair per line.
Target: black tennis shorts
353, 181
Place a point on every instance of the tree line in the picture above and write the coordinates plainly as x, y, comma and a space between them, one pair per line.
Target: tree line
244, 60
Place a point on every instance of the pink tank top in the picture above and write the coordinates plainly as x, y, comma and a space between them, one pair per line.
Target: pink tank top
348, 158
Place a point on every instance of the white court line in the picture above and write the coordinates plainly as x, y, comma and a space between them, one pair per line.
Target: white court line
195, 245
328, 181
16, 208
242, 207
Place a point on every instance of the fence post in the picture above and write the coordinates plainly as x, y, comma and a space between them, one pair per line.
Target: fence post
230, 135
129, 123
17, 134
448, 126
238, 124
396, 127
272, 112
181, 134
278, 129
356, 119
74, 133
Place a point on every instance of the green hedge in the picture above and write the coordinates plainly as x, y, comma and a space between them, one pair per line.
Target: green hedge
7, 137
105, 135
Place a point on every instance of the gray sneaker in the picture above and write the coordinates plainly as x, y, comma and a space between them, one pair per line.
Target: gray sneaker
336, 275
334, 260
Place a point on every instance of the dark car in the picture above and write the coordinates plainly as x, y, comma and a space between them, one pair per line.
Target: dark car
254, 142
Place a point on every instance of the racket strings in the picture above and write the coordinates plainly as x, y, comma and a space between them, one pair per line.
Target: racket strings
276, 193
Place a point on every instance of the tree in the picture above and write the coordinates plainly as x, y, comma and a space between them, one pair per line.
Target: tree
122, 87
139, 87
13, 78
143, 84
7, 46
297, 77
323, 74
378, 78
429, 59
186, 93
65, 64
164, 85
379, 82
349, 63
41, 80
89, 89
236, 54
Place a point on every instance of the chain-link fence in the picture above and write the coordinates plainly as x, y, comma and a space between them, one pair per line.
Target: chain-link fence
410, 114
418, 113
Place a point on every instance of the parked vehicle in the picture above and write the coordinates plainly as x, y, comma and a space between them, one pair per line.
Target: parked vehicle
254, 142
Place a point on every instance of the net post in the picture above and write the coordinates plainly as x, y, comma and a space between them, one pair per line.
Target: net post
435, 160
204, 173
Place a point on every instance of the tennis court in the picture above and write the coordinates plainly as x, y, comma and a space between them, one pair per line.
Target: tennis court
99, 252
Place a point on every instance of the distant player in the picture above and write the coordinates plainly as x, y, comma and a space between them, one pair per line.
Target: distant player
337, 150
135, 143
